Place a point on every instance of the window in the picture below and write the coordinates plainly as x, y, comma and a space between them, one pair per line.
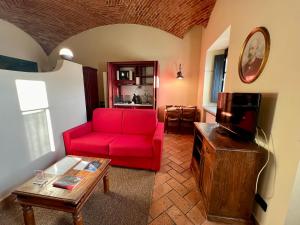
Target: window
34, 107
219, 74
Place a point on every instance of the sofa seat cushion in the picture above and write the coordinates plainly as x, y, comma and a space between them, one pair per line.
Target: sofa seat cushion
94, 142
131, 146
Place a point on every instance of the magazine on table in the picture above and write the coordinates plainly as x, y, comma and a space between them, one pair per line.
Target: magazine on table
67, 182
88, 166
92, 166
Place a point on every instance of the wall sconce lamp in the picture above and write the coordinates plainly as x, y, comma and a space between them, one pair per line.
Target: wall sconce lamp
66, 53
179, 73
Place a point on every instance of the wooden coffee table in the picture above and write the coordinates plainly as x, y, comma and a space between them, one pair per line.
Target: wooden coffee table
47, 196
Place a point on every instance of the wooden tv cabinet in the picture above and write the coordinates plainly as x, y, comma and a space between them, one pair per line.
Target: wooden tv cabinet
225, 170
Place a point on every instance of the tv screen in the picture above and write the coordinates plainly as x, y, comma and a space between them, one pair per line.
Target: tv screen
238, 113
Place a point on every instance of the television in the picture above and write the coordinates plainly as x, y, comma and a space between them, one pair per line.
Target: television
238, 113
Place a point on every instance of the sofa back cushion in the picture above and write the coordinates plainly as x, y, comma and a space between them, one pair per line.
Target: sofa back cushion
139, 121
107, 120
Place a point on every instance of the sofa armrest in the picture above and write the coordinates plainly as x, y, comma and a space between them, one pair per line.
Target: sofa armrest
158, 139
74, 133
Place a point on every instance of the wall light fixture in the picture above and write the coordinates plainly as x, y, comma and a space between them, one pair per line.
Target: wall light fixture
179, 73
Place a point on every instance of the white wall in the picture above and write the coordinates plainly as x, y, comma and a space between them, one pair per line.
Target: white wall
14, 42
67, 109
280, 77
129, 42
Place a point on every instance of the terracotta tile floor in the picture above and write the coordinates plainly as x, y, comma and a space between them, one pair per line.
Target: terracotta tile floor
176, 200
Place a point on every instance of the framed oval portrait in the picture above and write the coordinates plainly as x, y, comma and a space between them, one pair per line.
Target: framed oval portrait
254, 54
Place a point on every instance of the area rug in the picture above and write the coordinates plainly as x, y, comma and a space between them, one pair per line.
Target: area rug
127, 203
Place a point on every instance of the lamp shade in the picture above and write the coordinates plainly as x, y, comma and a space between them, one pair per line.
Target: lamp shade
66, 53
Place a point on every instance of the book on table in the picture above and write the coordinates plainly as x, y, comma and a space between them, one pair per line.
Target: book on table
67, 182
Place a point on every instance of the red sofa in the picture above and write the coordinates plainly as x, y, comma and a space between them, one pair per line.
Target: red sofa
129, 137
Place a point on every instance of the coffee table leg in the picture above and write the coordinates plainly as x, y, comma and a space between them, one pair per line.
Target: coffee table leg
28, 215
77, 218
106, 183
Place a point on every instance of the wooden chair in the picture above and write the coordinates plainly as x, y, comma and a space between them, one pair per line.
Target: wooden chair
172, 119
188, 117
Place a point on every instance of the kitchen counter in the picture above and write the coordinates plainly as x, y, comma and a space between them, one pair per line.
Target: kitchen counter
132, 105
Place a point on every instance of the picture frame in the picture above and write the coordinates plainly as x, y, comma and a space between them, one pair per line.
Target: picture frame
254, 54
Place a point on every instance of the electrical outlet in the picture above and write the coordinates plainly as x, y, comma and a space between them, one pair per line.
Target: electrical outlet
261, 202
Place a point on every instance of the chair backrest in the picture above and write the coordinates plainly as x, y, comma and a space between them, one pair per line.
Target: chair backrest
173, 113
189, 113
169, 106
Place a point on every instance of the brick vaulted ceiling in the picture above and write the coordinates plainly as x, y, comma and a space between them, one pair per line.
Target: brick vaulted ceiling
52, 21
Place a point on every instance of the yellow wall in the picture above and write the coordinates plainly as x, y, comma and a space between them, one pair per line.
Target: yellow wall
280, 76
124, 42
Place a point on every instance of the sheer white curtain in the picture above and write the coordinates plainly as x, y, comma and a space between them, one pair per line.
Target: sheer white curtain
36, 115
